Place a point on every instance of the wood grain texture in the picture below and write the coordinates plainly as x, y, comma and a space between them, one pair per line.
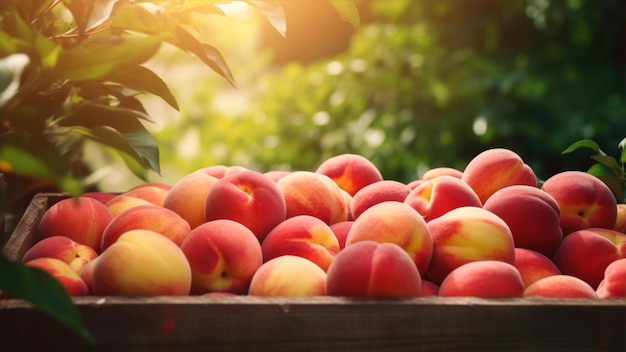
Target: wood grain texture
248, 323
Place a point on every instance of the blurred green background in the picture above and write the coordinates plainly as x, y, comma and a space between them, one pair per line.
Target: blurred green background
420, 84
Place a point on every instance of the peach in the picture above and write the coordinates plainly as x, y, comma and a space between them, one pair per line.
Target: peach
304, 236
429, 289
223, 255
82, 219
63, 273
120, 203
153, 193
377, 192
152, 184
532, 215
187, 197
276, 175
147, 217
248, 197
372, 269
76, 255
310, 193
219, 171
441, 171
586, 253
142, 263
483, 278
494, 169
86, 273
439, 195
103, 197
341, 230
533, 265
620, 219
584, 200
562, 286
350, 172
288, 276
467, 234
397, 223
613, 285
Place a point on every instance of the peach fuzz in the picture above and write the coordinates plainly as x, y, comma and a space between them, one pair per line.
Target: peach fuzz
532, 215
584, 200
483, 278
310, 193
341, 230
533, 265
303, 236
248, 197
620, 219
82, 219
586, 253
187, 197
76, 255
468, 234
561, 286
613, 285
223, 255
121, 203
377, 192
350, 172
63, 273
288, 276
437, 196
396, 223
372, 269
147, 217
142, 263
494, 169
153, 193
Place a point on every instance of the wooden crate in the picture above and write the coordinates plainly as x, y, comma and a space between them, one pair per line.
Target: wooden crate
249, 323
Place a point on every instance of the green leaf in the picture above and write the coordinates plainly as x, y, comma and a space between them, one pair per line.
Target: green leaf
609, 162
44, 292
142, 79
136, 18
80, 10
348, 11
622, 145
205, 52
274, 12
105, 56
584, 143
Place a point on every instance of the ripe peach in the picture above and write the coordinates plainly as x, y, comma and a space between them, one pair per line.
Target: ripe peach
441, 171
304, 236
120, 203
103, 197
483, 278
584, 200
187, 197
147, 217
76, 255
153, 193
310, 193
562, 286
82, 219
613, 285
468, 234
142, 263
86, 273
248, 197
532, 215
341, 230
439, 195
397, 223
219, 171
223, 255
494, 169
372, 269
276, 175
288, 276
586, 253
429, 289
533, 265
377, 192
350, 172
620, 219
61, 271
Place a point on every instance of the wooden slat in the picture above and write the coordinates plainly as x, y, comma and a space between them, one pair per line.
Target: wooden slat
247, 323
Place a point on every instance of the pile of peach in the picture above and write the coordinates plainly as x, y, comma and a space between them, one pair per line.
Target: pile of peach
489, 230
